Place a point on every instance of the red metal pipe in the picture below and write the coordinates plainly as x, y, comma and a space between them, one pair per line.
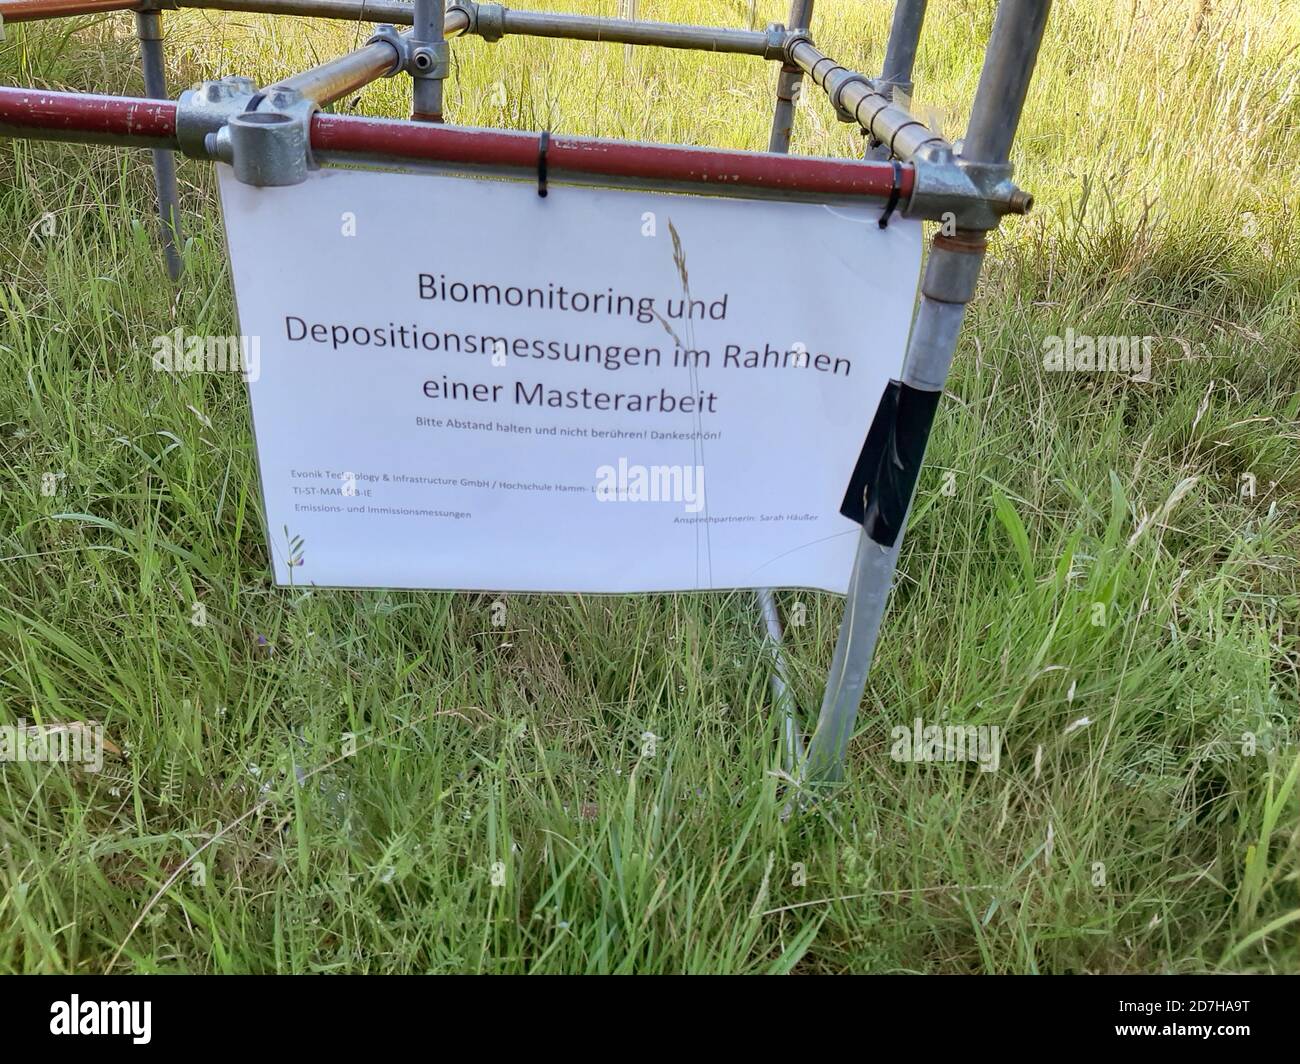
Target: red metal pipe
30, 10
85, 117
388, 138
152, 123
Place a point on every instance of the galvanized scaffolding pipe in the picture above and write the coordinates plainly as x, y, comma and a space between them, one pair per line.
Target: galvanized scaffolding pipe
782, 696
904, 39
428, 60
34, 10
335, 79
951, 274
148, 28
1004, 80
492, 20
398, 12
854, 94
900, 58
788, 83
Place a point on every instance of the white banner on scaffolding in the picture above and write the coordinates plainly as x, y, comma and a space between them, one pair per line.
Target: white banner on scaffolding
459, 384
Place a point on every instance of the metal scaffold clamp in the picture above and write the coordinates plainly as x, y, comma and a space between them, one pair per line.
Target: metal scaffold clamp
486, 20
264, 136
427, 59
778, 40
788, 38
388, 34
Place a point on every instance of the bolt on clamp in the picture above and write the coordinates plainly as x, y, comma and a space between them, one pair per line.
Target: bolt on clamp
420, 59
779, 40
430, 59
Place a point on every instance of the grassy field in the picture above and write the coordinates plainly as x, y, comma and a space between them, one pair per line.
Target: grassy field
1145, 815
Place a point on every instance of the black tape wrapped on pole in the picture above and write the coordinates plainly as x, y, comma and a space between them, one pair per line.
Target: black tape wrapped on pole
880, 489
886, 472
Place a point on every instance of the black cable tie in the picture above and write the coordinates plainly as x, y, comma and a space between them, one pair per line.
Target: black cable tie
542, 145
893, 193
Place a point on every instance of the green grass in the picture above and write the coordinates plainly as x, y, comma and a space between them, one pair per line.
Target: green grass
1164, 162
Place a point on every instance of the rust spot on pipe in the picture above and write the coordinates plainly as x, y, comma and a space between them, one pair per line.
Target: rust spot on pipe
965, 242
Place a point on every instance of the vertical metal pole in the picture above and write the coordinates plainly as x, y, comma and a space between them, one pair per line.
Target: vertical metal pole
148, 28
630, 10
782, 123
428, 60
904, 36
950, 276
900, 58
1004, 81
782, 697
788, 83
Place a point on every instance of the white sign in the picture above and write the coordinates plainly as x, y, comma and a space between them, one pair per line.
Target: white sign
462, 385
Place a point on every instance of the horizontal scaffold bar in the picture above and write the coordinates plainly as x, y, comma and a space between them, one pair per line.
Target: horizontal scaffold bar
333, 80
490, 21
42, 114
398, 12
493, 20
87, 118
32, 10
